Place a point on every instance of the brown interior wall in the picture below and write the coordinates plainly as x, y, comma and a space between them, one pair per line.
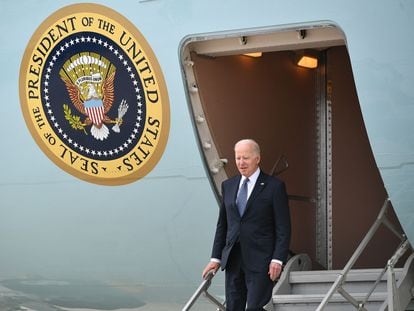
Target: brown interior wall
270, 100
358, 191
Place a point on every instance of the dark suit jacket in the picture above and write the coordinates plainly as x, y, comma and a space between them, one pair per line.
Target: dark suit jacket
264, 230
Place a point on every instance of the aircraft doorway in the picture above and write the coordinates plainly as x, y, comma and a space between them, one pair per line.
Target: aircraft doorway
309, 126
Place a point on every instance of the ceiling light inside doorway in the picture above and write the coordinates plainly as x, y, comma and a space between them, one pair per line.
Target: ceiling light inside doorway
307, 59
254, 54
308, 62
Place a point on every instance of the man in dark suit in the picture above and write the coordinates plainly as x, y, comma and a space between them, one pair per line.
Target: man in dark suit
253, 232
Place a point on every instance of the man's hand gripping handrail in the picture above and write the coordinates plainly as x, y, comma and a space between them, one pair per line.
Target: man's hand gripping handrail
202, 289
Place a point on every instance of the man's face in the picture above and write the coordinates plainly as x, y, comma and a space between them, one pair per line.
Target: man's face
247, 161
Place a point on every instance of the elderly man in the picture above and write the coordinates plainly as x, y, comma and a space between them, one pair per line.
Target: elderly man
253, 232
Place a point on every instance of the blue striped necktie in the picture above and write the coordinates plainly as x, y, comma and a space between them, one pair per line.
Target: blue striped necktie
242, 197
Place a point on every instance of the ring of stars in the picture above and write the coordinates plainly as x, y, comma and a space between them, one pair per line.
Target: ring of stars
135, 132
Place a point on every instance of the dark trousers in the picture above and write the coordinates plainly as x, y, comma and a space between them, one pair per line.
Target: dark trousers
245, 290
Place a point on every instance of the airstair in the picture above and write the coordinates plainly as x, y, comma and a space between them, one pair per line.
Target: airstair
300, 288
389, 288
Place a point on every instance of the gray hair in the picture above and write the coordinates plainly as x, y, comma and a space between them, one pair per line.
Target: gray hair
253, 143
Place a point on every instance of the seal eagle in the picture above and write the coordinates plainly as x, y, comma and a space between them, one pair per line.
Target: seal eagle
87, 101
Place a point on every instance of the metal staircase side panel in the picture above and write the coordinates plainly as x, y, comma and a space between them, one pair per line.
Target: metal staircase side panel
300, 262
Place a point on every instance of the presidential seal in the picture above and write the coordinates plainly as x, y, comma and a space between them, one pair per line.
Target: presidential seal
93, 95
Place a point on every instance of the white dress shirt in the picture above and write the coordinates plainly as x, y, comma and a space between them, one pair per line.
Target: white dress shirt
251, 183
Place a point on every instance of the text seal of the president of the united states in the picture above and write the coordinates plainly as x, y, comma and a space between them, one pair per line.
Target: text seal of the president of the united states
93, 95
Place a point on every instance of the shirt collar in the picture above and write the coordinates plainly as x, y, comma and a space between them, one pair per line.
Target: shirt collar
252, 178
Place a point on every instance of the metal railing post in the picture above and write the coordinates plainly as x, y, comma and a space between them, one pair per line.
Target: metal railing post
393, 296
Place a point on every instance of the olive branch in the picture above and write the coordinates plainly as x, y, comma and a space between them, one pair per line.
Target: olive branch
74, 120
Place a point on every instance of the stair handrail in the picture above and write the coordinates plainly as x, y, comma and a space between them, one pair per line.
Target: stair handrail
393, 300
203, 289
337, 286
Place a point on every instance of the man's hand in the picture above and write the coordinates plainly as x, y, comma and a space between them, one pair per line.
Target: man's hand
210, 266
274, 270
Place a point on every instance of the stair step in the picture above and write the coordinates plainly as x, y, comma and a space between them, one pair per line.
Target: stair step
336, 303
323, 288
317, 298
329, 276
319, 282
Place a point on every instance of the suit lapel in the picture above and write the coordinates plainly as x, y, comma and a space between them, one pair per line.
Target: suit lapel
258, 187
